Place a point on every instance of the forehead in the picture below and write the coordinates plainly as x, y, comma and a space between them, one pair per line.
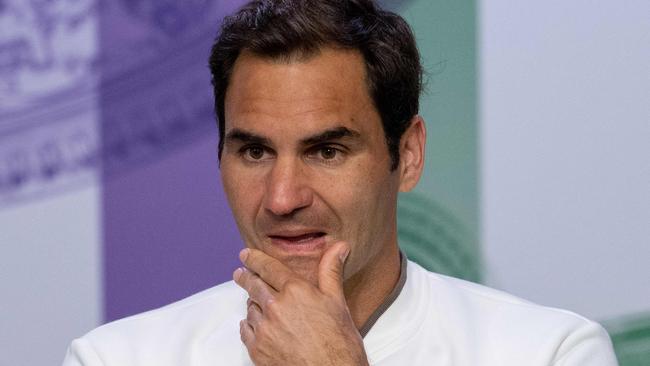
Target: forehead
329, 87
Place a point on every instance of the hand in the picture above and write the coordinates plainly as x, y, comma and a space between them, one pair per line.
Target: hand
292, 322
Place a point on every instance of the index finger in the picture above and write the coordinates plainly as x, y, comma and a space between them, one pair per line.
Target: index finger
269, 269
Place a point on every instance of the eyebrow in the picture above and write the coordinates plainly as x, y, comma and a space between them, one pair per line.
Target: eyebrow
332, 134
336, 133
246, 137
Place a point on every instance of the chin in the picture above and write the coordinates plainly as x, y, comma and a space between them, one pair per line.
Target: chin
307, 268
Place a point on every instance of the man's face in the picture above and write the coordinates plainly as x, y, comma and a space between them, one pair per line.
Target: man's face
305, 162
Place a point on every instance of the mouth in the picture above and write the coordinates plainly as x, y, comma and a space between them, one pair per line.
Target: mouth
305, 241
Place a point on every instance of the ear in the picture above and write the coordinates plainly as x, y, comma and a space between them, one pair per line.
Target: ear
411, 152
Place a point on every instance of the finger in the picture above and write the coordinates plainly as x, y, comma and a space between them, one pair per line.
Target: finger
254, 315
269, 269
258, 290
246, 333
330, 270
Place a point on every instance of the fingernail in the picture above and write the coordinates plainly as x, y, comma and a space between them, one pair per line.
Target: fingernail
243, 254
343, 255
237, 274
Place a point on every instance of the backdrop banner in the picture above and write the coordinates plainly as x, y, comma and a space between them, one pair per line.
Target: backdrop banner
110, 195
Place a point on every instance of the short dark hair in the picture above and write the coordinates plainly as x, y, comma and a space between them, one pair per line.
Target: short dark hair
287, 29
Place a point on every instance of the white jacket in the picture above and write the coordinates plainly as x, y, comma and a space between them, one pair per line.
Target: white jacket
435, 320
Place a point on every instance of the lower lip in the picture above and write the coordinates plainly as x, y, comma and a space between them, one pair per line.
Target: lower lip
316, 243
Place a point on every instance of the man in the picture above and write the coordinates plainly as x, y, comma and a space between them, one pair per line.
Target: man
317, 102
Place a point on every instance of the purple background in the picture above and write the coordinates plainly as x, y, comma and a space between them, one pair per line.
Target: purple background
168, 231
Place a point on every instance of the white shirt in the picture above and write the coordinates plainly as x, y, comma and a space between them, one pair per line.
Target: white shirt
435, 320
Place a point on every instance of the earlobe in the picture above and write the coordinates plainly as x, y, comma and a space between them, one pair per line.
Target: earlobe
412, 147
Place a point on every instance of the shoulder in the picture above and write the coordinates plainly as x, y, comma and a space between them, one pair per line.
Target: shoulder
496, 320
178, 326
452, 293
203, 309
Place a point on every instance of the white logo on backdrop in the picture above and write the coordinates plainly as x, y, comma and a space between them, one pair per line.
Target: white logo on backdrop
47, 65
53, 105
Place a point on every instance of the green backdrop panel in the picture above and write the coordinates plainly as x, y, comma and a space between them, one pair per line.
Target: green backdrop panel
438, 222
631, 337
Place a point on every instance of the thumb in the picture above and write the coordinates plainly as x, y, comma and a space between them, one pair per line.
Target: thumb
330, 270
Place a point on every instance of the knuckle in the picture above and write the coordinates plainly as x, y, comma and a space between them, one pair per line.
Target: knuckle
250, 305
257, 286
260, 330
272, 308
292, 287
253, 318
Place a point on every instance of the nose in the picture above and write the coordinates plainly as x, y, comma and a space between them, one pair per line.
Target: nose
287, 188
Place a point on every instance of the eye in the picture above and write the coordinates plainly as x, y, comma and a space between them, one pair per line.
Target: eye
328, 152
254, 152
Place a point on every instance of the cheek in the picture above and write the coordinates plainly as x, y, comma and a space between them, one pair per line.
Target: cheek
242, 192
344, 191
228, 180
374, 188
364, 199
374, 205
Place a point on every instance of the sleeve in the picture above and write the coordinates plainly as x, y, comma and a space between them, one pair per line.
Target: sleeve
81, 353
588, 345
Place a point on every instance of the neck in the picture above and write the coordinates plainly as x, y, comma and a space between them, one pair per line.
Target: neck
366, 290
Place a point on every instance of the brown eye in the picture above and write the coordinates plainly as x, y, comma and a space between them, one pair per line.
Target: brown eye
328, 153
255, 152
